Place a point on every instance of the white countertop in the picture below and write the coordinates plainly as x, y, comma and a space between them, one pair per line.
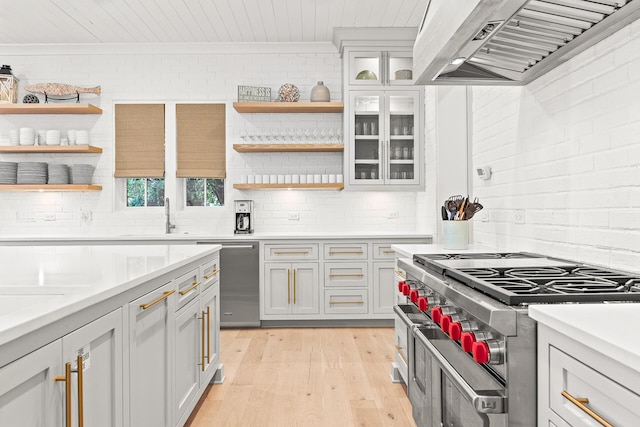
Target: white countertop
42, 284
607, 328
408, 251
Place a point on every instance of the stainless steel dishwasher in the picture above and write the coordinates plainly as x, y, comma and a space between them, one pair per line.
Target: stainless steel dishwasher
239, 283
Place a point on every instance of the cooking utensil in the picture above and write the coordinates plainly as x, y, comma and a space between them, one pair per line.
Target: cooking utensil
445, 213
471, 209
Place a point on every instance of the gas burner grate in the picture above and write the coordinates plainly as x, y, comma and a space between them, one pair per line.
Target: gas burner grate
536, 272
517, 286
585, 286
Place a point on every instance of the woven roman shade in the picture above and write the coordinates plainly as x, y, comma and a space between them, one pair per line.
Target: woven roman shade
201, 141
139, 140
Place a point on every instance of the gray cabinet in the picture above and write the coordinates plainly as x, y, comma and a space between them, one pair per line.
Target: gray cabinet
291, 288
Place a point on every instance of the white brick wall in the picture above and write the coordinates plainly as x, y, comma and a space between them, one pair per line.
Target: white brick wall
191, 74
566, 150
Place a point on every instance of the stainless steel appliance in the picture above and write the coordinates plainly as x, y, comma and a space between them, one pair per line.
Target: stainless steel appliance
239, 283
244, 217
472, 354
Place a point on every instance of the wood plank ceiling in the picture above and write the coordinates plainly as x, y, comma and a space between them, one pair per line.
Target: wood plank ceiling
192, 21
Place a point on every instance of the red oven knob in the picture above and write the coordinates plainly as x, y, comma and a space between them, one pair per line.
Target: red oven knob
401, 285
413, 295
406, 289
445, 321
436, 314
455, 331
423, 304
481, 352
467, 339
458, 327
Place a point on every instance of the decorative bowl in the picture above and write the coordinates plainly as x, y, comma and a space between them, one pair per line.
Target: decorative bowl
366, 75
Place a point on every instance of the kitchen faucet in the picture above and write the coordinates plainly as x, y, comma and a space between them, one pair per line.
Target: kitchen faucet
167, 212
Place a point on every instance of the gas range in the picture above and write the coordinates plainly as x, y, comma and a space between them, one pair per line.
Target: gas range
475, 333
522, 278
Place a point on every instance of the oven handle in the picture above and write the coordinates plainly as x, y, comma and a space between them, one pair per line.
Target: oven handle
492, 402
403, 316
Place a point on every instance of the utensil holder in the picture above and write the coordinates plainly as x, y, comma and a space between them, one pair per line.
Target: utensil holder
455, 234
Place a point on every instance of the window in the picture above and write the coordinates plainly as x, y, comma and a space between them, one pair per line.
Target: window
145, 192
204, 191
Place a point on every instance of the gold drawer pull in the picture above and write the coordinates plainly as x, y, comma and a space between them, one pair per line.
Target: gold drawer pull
202, 334
213, 273
192, 287
401, 274
346, 275
345, 252
388, 251
291, 252
580, 403
346, 302
157, 300
399, 348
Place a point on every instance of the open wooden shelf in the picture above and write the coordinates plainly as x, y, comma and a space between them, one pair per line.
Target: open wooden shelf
339, 186
287, 148
50, 187
50, 149
49, 109
289, 107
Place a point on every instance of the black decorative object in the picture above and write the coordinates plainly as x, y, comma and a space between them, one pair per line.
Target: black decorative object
30, 99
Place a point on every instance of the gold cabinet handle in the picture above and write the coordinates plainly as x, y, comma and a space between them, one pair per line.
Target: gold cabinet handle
580, 403
202, 343
80, 392
345, 252
401, 274
67, 391
399, 348
288, 286
346, 302
157, 300
213, 273
208, 335
291, 252
294, 287
346, 275
388, 251
192, 287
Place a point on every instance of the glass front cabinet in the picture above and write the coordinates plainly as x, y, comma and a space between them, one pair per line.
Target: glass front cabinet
381, 68
384, 138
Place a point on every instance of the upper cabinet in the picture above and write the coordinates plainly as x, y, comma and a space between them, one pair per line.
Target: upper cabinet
381, 68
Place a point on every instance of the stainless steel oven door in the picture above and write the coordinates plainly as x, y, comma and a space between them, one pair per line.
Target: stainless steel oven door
457, 391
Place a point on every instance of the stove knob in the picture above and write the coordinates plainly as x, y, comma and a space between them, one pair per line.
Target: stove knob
423, 304
436, 314
401, 285
489, 351
467, 339
445, 322
406, 290
457, 328
413, 295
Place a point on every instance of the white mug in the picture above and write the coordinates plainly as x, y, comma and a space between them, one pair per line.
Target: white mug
309, 178
303, 179
332, 178
325, 178
273, 179
317, 178
250, 179
287, 179
14, 137
280, 179
295, 179
340, 178
257, 179
265, 179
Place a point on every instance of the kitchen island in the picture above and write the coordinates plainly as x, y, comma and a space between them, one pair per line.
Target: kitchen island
142, 321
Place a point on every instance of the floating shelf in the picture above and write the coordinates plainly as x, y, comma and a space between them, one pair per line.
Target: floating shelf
287, 148
289, 107
50, 187
50, 149
49, 109
339, 186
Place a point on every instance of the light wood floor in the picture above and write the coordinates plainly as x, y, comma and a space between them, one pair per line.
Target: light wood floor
335, 377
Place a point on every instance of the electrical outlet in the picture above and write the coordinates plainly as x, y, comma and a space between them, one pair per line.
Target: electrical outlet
484, 216
519, 216
50, 217
294, 216
393, 215
86, 216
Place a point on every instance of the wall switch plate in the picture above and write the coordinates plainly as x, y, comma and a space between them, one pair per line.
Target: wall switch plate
50, 217
393, 215
519, 216
484, 216
294, 216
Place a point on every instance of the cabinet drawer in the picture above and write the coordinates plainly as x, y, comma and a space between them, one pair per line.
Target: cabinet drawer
356, 251
187, 287
401, 348
612, 401
343, 301
383, 251
345, 274
290, 252
210, 272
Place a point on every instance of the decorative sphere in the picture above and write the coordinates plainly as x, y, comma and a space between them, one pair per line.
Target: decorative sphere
288, 93
30, 99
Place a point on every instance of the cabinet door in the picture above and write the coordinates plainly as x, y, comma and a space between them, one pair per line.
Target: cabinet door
210, 307
366, 68
366, 125
305, 298
402, 150
188, 356
277, 288
151, 323
29, 394
383, 287
99, 345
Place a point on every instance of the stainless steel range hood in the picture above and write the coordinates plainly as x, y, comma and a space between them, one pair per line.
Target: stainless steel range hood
510, 42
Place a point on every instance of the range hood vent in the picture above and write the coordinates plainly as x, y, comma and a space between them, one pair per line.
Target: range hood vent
510, 42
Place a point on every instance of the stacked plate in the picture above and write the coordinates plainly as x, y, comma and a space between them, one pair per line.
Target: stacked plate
81, 174
82, 137
58, 174
8, 172
53, 137
32, 173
